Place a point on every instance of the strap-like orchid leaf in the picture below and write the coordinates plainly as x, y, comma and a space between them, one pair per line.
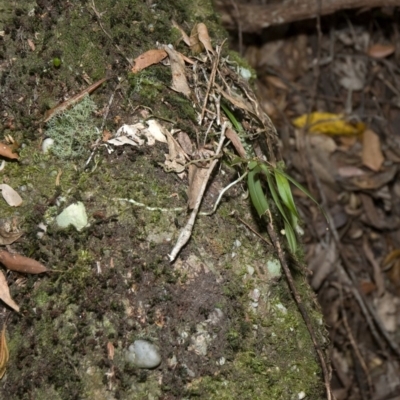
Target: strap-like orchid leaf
256, 192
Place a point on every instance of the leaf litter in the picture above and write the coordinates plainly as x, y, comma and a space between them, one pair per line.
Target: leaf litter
345, 148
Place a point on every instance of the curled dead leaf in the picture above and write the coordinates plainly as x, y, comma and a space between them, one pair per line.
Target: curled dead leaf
185, 37
179, 82
372, 156
381, 50
237, 144
5, 293
18, 263
148, 58
9, 231
7, 151
204, 38
4, 354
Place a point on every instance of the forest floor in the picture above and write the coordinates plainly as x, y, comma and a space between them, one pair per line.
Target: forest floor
347, 65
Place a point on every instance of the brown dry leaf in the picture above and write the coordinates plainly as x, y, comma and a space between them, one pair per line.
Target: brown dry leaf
4, 354
202, 33
148, 58
5, 293
12, 198
372, 156
7, 151
323, 263
237, 144
110, 351
176, 158
276, 82
31, 44
185, 37
367, 287
381, 50
195, 45
196, 178
9, 231
185, 142
18, 263
373, 180
179, 82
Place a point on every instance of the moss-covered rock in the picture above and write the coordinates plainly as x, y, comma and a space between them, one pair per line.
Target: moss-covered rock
226, 326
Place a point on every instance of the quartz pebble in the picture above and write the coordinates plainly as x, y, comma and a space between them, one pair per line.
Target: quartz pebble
143, 354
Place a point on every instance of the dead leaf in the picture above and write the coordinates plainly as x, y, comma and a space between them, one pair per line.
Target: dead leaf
9, 231
276, 82
185, 37
138, 134
7, 151
386, 309
12, 198
328, 123
110, 351
5, 293
369, 181
196, 178
202, 33
372, 156
176, 159
18, 263
179, 82
156, 130
195, 45
351, 72
72, 101
148, 58
381, 50
323, 263
185, 142
237, 144
31, 44
4, 354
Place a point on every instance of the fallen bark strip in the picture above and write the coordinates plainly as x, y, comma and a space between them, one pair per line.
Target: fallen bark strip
254, 17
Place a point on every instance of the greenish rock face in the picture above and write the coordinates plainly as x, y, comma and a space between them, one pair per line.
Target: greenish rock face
223, 327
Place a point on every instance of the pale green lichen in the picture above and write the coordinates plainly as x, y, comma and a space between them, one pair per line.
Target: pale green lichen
73, 131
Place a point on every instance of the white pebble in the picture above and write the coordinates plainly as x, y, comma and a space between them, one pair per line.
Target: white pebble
46, 144
143, 354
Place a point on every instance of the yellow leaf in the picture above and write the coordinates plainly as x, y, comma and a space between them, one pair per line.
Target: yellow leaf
4, 356
328, 123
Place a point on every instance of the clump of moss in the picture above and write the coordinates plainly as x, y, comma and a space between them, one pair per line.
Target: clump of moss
73, 130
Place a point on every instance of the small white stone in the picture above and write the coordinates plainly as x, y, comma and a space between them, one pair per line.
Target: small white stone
301, 395
75, 215
221, 361
245, 73
274, 268
143, 354
47, 144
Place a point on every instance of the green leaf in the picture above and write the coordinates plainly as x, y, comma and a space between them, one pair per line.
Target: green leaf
256, 192
275, 196
291, 237
253, 164
285, 192
237, 125
304, 190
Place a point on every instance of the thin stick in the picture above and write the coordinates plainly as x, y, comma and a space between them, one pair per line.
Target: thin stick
186, 232
325, 370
